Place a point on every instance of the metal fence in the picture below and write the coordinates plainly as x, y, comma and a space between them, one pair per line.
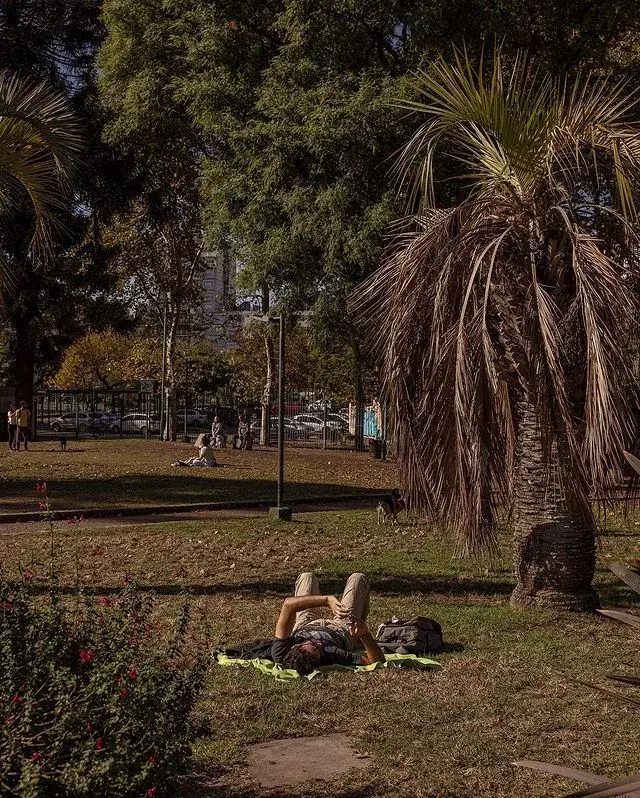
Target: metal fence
311, 418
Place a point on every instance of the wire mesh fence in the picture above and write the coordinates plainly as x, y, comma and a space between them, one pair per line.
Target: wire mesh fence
311, 418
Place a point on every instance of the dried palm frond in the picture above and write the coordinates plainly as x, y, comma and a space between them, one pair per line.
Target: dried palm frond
519, 291
609, 789
629, 577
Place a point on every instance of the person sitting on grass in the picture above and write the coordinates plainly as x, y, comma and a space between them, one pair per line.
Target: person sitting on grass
304, 640
205, 456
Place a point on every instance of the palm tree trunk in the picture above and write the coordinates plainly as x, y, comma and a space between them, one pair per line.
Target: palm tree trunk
555, 549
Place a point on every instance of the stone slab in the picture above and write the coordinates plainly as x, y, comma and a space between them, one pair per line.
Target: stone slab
280, 763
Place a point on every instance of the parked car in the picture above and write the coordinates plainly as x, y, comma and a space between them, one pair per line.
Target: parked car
86, 422
109, 421
195, 418
315, 423
292, 431
341, 421
318, 406
141, 422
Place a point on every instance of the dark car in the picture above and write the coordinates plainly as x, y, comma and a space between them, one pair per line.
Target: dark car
292, 431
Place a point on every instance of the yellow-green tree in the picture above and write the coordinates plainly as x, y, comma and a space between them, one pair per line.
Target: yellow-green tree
108, 360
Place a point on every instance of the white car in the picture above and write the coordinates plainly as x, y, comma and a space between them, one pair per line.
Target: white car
84, 421
140, 422
315, 423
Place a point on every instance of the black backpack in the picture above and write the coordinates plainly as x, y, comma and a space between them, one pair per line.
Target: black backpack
414, 636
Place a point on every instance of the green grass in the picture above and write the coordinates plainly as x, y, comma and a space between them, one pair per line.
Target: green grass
503, 693
107, 473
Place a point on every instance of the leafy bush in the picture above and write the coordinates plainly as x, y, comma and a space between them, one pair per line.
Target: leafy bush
92, 702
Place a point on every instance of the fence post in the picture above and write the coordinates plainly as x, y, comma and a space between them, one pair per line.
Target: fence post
75, 396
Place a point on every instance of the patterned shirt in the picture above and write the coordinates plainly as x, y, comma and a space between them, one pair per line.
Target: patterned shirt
331, 642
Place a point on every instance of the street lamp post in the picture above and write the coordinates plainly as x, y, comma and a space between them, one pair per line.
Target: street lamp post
280, 512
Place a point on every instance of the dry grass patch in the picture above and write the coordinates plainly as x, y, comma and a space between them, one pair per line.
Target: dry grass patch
103, 473
502, 694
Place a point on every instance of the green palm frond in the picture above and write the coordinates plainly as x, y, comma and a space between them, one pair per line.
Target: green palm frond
520, 291
40, 148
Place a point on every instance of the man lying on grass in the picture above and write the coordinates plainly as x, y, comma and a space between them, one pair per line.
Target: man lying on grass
304, 640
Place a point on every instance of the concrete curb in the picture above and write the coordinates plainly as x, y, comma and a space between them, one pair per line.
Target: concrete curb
159, 509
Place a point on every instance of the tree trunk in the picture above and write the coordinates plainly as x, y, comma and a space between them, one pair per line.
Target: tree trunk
171, 428
358, 388
265, 429
25, 358
555, 548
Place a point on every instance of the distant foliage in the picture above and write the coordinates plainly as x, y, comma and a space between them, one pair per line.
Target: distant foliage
109, 360
91, 702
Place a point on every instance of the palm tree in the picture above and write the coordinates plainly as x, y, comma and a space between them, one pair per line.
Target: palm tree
40, 146
500, 323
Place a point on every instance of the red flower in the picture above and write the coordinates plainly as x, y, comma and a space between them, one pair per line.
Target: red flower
71, 520
151, 792
132, 674
28, 574
100, 744
35, 756
105, 601
42, 506
9, 720
17, 699
41, 487
124, 692
86, 655
152, 759
81, 518
88, 727
6, 604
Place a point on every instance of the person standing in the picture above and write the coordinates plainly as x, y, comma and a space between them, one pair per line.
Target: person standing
217, 434
12, 426
243, 438
23, 417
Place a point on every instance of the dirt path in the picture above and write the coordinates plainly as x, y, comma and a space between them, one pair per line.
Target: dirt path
27, 527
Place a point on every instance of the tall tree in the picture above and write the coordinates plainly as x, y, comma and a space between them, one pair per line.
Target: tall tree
160, 235
500, 323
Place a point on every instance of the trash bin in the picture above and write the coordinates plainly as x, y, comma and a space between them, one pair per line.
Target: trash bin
375, 448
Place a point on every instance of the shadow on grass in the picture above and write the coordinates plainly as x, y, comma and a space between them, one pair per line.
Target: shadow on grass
178, 487
382, 586
212, 789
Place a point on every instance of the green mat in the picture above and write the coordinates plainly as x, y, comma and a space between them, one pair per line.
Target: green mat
286, 674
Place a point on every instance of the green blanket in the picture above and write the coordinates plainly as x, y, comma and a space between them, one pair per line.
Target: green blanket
286, 674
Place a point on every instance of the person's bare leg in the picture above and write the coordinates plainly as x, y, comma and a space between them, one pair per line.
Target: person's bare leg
307, 585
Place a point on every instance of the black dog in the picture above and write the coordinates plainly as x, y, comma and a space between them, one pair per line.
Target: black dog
390, 506
63, 443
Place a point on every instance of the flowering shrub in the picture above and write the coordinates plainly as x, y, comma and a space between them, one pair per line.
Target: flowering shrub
92, 703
